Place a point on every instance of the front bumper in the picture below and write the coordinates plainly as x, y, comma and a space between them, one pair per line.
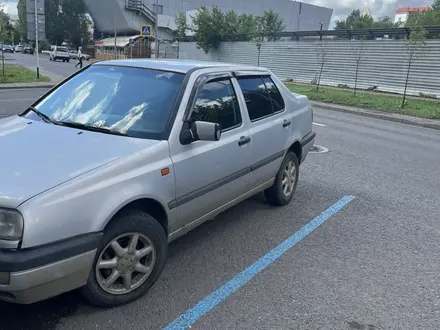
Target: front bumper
306, 144
34, 274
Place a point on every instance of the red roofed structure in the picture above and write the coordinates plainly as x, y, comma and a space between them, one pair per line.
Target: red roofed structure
412, 9
402, 14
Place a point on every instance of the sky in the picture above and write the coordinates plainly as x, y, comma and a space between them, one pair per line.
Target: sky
378, 8
11, 6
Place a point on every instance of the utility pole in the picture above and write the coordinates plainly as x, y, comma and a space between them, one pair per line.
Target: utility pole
3, 54
156, 44
116, 52
36, 40
320, 29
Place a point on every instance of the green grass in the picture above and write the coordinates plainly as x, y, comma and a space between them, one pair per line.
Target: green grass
18, 74
376, 101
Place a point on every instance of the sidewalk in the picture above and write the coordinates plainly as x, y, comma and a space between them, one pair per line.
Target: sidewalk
394, 117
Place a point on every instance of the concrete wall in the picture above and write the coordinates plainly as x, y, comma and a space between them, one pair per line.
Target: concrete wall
383, 63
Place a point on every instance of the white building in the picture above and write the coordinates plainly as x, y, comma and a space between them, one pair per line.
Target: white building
402, 14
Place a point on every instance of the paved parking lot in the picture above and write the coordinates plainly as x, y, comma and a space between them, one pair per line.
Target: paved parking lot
372, 264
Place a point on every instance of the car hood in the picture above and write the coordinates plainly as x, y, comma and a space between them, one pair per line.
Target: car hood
36, 156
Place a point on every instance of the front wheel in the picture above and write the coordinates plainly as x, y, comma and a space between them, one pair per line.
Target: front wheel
130, 259
283, 189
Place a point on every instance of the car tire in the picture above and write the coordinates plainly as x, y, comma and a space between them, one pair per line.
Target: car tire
68, 61
276, 195
128, 223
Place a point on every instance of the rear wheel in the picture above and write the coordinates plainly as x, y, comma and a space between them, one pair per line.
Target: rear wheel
283, 189
130, 259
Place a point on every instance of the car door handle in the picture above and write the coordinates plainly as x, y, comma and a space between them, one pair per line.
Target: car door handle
286, 123
244, 140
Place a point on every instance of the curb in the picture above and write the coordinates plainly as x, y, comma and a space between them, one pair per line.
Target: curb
433, 124
28, 86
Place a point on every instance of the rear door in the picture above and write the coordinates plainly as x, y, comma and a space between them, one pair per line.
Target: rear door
270, 123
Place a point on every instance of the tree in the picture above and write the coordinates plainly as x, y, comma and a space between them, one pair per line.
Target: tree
65, 21
426, 18
357, 21
21, 25
181, 27
272, 23
415, 47
247, 26
212, 27
384, 22
73, 14
358, 51
205, 28
7, 31
322, 57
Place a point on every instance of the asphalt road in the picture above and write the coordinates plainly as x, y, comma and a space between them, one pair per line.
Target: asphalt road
372, 265
59, 68
14, 101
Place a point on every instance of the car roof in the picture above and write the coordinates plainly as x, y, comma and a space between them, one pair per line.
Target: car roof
175, 65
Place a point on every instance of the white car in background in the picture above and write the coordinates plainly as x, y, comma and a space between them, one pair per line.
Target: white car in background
59, 53
74, 55
19, 48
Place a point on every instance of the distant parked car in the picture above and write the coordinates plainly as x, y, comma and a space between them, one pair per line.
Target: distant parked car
28, 50
74, 55
8, 49
140, 153
19, 48
59, 53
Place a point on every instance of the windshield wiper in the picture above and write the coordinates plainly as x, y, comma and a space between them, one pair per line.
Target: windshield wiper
46, 118
92, 128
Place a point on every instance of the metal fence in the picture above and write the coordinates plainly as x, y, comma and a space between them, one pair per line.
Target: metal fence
168, 49
383, 62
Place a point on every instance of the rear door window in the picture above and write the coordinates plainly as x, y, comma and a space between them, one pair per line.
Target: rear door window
256, 96
275, 95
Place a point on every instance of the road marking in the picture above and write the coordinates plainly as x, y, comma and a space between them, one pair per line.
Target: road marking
318, 124
209, 302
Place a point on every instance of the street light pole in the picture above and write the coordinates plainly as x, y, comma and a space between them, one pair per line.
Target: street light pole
36, 40
156, 40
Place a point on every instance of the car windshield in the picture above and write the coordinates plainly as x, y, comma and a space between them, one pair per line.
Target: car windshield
132, 101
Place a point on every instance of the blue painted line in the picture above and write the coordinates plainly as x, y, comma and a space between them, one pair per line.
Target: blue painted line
219, 295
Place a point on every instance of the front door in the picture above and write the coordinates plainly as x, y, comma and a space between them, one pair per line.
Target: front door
211, 173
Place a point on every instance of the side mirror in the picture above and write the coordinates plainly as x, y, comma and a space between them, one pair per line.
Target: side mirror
200, 130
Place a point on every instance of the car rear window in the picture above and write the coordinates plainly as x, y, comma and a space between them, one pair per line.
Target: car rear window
133, 101
62, 49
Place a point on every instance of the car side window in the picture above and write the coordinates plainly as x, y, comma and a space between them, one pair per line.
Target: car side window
256, 96
275, 95
216, 102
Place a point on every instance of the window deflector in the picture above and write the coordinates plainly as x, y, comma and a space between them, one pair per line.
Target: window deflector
198, 85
